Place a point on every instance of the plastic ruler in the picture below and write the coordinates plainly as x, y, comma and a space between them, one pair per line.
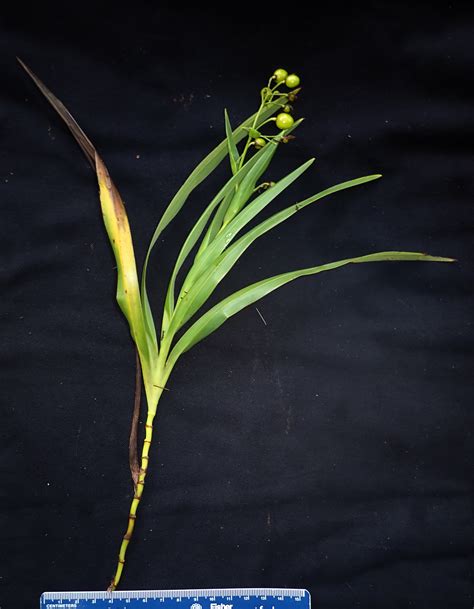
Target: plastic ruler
223, 598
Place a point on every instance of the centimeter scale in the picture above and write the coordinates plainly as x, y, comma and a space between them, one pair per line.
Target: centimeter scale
228, 598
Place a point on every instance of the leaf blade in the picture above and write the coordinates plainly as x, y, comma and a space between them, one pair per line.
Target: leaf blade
222, 215
217, 315
224, 237
120, 236
247, 187
117, 227
198, 175
198, 228
231, 145
208, 281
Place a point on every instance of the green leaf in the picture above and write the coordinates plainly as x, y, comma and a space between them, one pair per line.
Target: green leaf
218, 219
231, 145
226, 192
188, 245
208, 281
198, 175
246, 189
216, 223
215, 317
149, 323
225, 236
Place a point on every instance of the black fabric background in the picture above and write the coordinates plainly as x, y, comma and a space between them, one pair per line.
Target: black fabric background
330, 449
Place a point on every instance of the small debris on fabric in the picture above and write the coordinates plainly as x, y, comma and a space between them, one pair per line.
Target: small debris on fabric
261, 316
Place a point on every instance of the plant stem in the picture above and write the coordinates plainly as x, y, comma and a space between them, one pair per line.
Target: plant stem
133, 442
263, 103
140, 485
249, 139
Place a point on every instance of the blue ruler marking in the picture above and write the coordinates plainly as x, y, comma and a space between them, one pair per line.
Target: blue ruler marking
222, 598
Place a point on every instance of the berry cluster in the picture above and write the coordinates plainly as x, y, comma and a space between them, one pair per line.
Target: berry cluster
284, 120
270, 94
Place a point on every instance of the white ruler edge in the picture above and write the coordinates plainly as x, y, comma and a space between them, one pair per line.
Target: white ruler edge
101, 594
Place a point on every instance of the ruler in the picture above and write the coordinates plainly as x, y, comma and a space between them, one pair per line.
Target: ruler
222, 598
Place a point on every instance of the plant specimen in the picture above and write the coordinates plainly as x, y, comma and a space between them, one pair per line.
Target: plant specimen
216, 242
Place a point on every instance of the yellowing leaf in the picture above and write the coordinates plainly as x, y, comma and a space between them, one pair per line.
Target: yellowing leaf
118, 230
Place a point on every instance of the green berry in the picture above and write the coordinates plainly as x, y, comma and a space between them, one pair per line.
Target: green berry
284, 120
287, 109
280, 75
259, 142
292, 81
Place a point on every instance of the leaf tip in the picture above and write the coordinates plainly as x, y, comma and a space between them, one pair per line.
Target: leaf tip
22, 64
439, 258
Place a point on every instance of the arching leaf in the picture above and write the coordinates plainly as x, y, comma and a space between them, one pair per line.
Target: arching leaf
198, 175
222, 239
215, 317
208, 281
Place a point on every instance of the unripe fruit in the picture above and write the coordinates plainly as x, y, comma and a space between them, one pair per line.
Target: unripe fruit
284, 120
280, 75
259, 142
292, 81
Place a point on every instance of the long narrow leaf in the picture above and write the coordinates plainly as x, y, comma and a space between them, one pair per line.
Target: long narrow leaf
118, 230
246, 189
234, 303
216, 223
236, 200
249, 173
262, 159
235, 226
231, 145
206, 284
198, 175
116, 224
198, 228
